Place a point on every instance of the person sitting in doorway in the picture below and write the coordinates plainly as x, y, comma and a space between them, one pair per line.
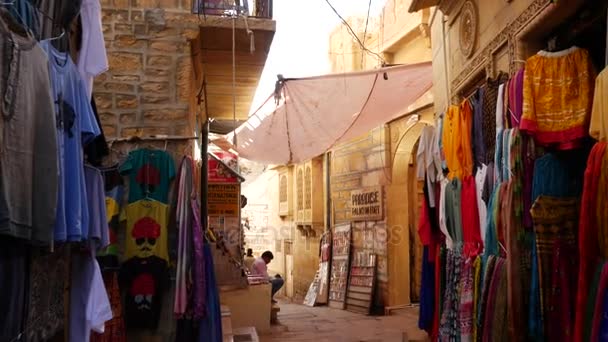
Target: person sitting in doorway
260, 268
249, 259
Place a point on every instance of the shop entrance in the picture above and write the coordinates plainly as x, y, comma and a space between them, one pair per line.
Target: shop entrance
404, 243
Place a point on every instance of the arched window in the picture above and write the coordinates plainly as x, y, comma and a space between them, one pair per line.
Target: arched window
299, 189
308, 189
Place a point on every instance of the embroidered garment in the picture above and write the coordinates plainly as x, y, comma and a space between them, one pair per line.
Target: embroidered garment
558, 91
49, 276
555, 221
476, 295
560, 309
449, 329
466, 294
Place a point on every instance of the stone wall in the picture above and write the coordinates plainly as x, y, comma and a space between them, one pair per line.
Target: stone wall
360, 163
147, 88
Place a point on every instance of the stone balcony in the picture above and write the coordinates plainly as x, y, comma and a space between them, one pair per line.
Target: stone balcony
158, 51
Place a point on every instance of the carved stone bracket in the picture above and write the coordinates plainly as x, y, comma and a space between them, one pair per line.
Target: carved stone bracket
484, 57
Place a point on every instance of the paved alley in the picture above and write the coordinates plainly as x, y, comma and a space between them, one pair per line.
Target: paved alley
299, 323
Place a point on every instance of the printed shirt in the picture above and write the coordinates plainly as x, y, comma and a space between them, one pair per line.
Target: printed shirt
150, 173
146, 280
147, 229
76, 126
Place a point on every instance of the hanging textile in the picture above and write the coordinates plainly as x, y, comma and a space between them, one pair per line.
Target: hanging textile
456, 140
555, 225
13, 286
76, 127
146, 281
29, 197
190, 278
558, 90
588, 232
89, 304
211, 324
598, 128
115, 328
114, 190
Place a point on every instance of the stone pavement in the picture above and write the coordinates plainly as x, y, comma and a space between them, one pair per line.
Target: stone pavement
299, 323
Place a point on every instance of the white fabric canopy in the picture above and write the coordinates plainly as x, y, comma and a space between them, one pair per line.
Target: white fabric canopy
317, 113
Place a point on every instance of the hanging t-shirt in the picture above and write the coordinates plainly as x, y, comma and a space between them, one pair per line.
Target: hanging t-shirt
93, 59
89, 304
28, 162
108, 257
76, 127
97, 222
150, 173
147, 229
145, 280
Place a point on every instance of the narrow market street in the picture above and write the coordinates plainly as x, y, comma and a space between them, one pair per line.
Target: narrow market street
299, 323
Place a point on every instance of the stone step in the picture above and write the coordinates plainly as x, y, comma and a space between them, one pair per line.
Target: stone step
274, 313
247, 334
226, 321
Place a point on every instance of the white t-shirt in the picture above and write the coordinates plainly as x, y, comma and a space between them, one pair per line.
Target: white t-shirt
89, 304
93, 59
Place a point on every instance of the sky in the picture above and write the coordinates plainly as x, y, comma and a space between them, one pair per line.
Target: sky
301, 43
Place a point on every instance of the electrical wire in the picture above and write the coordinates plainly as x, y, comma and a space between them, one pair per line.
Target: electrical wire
354, 35
369, 7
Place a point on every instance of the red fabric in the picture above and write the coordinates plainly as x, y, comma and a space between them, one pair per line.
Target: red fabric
561, 301
564, 140
146, 228
599, 304
424, 226
473, 244
587, 239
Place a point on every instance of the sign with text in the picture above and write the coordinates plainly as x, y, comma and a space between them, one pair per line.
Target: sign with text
218, 172
224, 199
367, 204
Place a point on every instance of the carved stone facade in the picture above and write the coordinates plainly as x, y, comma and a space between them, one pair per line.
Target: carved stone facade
508, 32
484, 59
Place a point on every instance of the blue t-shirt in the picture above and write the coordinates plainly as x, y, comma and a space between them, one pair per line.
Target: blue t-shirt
76, 126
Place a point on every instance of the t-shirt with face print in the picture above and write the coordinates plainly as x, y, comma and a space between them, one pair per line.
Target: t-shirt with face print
147, 229
150, 174
145, 280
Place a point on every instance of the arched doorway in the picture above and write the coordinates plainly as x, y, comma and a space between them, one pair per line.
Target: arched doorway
405, 248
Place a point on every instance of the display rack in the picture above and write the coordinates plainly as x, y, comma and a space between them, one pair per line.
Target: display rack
361, 282
340, 262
